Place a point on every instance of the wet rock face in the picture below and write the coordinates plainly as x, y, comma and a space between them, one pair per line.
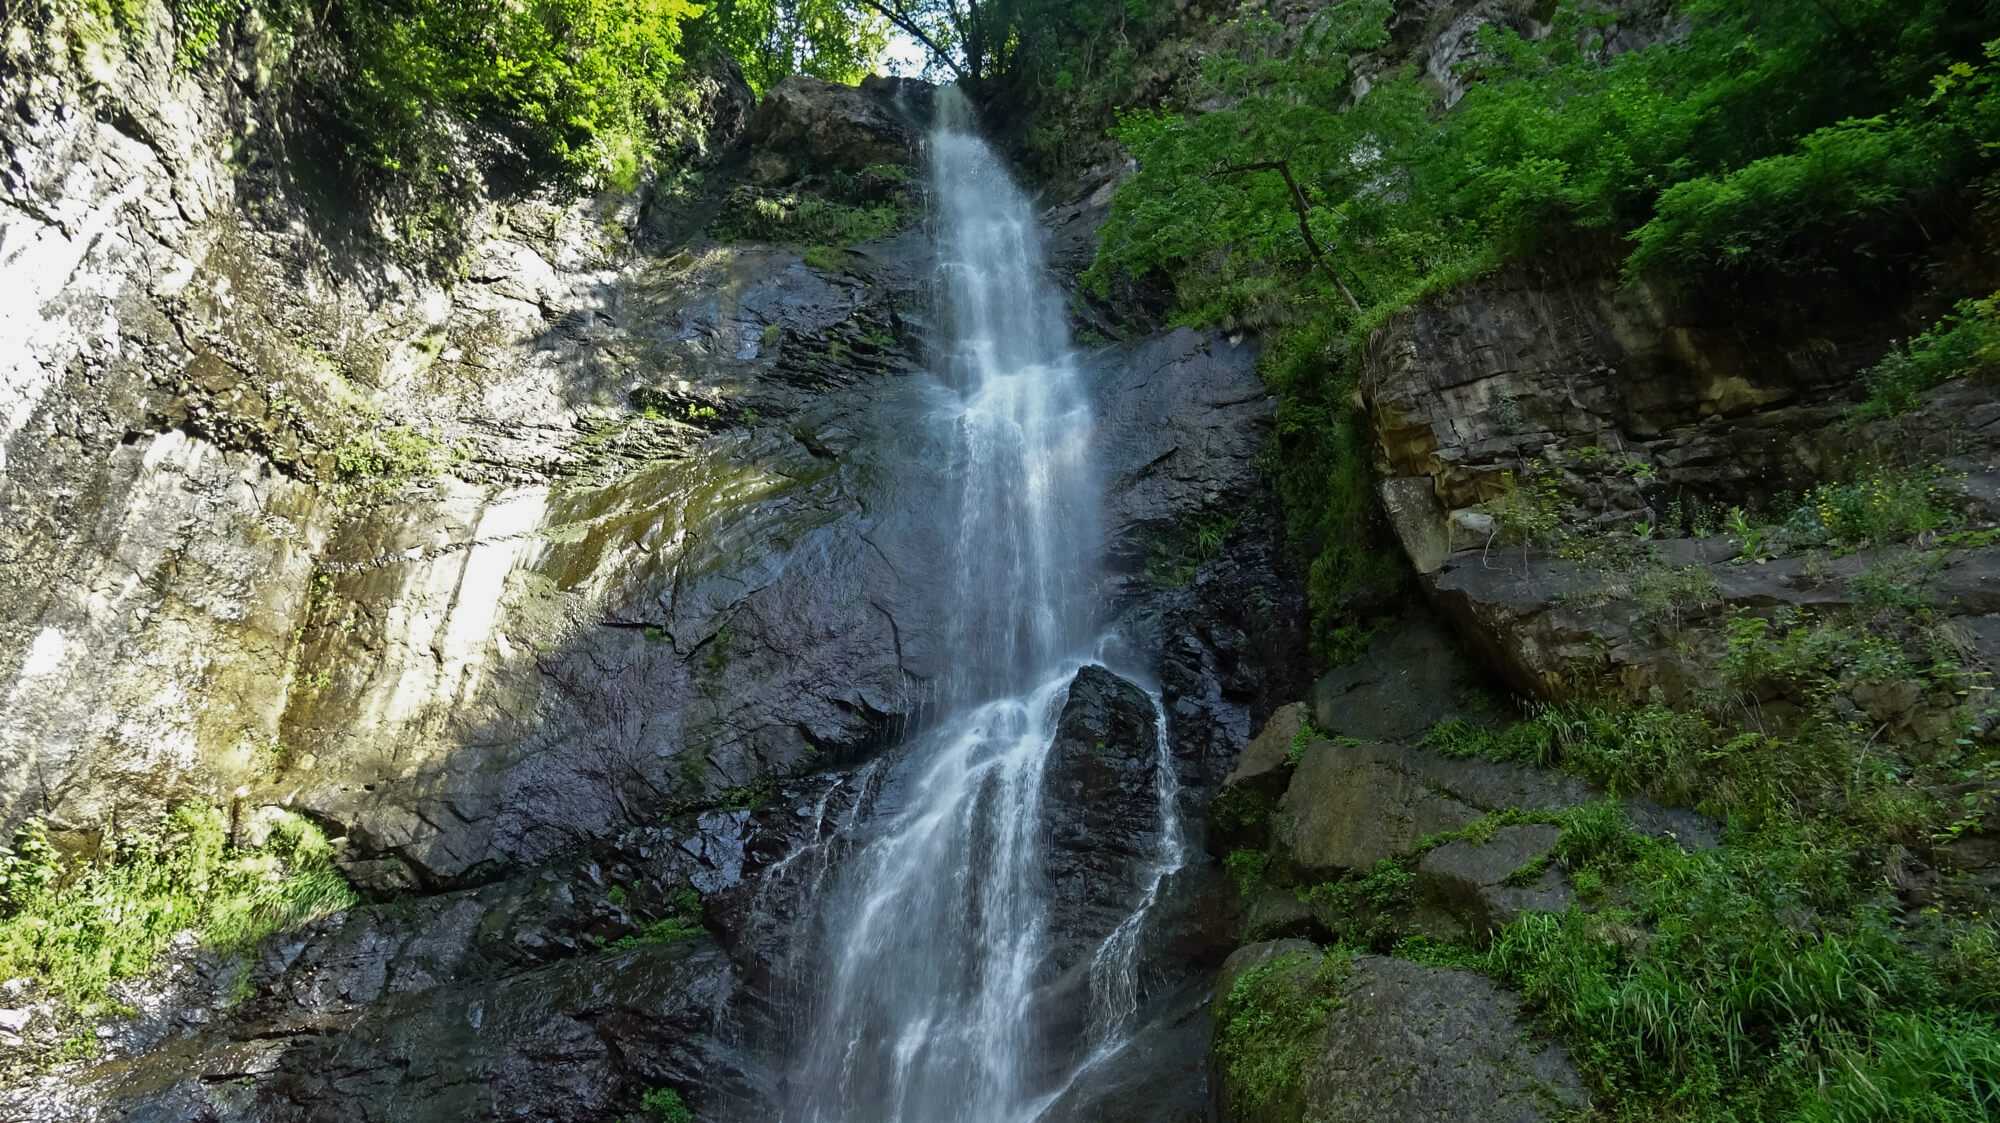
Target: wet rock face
1100, 799
1406, 1041
560, 1043
1181, 421
1463, 388
1159, 1077
806, 126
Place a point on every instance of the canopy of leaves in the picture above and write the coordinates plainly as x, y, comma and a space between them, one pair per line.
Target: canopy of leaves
583, 84
836, 40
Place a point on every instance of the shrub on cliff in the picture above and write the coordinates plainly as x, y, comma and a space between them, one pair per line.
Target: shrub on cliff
84, 927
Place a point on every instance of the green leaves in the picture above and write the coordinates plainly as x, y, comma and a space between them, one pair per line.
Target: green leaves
583, 84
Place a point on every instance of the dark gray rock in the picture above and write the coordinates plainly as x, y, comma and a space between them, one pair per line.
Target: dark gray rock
1350, 807
1100, 798
1240, 815
1182, 418
571, 1041
1160, 1076
806, 126
1412, 676
1431, 1045
1470, 884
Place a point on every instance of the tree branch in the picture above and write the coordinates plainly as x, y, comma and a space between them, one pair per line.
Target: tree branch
909, 24
1301, 206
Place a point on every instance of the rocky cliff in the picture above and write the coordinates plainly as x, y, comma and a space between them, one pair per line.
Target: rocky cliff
559, 559
552, 578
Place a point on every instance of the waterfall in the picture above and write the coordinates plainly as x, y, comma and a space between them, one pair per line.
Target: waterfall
930, 941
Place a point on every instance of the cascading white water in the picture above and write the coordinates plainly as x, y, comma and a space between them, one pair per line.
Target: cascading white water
931, 941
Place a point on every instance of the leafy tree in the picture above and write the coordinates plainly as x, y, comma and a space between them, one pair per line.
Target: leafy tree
836, 40
583, 84
1758, 141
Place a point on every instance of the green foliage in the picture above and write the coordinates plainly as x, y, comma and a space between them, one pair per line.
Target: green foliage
834, 40
1965, 344
1267, 1029
1178, 555
1320, 466
27, 867
681, 922
803, 219
1301, 740
80, 929
385, 457
1728, 1007
584, 85
1247, 869
664, 1105
198, 25
1879, 507
1367, 910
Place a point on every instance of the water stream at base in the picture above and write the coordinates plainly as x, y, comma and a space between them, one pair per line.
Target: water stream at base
930, 941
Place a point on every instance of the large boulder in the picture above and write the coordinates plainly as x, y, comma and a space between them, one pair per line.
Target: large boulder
1265, 978
1241, 812
1474, 886
806, 126
1431, 1045
1413, 675
1101, 800
1349, 807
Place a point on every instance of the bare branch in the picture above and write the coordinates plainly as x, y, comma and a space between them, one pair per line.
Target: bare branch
908, 23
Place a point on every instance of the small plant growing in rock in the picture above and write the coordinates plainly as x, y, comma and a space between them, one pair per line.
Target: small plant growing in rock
1752, 542
663, 1105
682, 922
1267, 1026
380, 459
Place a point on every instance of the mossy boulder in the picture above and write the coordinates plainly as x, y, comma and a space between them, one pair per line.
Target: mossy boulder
1423, 1044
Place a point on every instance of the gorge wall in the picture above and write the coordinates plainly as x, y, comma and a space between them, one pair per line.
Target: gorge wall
560, 563
550, 578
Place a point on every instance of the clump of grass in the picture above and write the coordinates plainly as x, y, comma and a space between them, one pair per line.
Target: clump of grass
385, 457
1708, 994
1875, 508
1367, 910
803, 219
80, 929
1267, 1027
681, 922
664, 1105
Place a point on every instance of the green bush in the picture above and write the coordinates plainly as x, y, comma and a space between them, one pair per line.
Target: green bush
1876, 508
585, 85
1730, 1008
802, 219
664, 1105
1798, 209
1965, 344
681, 922
80, 929
385, 457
